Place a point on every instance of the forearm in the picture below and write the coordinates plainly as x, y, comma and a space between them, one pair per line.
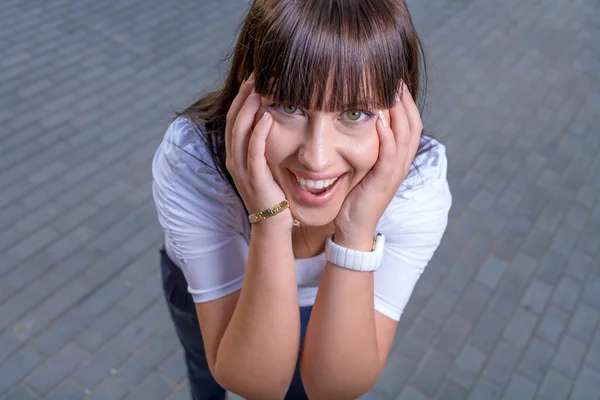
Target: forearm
259, 348
340, 355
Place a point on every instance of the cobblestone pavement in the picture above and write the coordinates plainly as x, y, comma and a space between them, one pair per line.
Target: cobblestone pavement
510, 304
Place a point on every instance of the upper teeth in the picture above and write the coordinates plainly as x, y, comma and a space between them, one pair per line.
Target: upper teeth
315, 184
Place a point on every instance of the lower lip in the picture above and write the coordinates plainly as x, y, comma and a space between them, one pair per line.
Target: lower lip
314, 200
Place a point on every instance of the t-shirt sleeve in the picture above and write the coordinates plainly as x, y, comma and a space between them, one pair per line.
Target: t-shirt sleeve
200, 213
413, 225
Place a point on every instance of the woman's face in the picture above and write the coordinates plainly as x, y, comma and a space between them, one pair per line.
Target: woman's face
318, 157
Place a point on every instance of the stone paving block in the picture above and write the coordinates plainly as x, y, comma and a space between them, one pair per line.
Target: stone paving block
520, 388
144, 239
30, 270
566, 294
502, 362
62, 331
536, 360
587, 385
20, 393
144, 326
145, 360
507, 298
154, 386
536, 296
16, 367
453, 335
431, 372
583, 322
478, 248
104, 363
62, 364
473, 301
106, 267
459, 276
183, 393
487, 332
591, 293
68, 390
141, 268
485, 390
113, 388
569, 356
70, 267
417, 339
451, 391
410, 393
12, 309
395, 374
593, 355
36, 242
439, 306
553, 324
11, 213
103, 329
467, 366
143, 295
71, 241
174, 368
105, 296
551, 267
62, 300
555, 387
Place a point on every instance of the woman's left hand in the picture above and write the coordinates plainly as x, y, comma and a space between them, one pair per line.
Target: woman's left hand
399, 140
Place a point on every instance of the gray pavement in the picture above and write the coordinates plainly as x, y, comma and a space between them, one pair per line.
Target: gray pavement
509, 306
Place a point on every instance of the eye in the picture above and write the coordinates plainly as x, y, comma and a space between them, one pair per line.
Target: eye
357, 115
354, 115
289, 109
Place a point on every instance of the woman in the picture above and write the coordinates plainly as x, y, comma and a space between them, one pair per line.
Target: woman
300, 174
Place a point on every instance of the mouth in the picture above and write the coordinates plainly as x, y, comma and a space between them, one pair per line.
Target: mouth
316, 187
315, 193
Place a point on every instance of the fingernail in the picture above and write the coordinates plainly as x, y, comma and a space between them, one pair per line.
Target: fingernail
251, 78
266, 116
382, 118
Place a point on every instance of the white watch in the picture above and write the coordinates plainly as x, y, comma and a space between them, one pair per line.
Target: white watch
354, 259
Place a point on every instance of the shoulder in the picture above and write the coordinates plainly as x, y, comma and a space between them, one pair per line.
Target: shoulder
183, 157
423, 199
187, 186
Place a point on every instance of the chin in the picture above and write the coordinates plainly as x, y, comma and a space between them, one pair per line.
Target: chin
313, 217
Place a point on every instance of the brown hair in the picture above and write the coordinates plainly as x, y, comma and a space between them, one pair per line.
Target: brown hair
333, 55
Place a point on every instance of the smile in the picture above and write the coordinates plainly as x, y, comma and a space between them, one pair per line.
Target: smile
315, 192
310, 184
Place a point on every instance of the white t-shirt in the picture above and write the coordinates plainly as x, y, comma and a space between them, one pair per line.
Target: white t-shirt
207, 232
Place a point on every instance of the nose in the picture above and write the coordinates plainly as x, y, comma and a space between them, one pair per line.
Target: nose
318, 151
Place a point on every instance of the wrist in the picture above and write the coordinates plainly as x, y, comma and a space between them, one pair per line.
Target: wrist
280, 224
360, 242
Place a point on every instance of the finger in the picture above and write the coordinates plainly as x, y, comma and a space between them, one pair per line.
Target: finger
414, 121
384, 166
242, 129
399, 123
239, 100
257, 145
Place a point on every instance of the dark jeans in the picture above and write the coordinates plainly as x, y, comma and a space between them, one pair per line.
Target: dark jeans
183, 314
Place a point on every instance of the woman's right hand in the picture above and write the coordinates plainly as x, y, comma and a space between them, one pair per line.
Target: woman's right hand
245, 158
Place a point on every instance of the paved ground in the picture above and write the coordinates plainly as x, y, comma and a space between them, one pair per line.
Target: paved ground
508, 308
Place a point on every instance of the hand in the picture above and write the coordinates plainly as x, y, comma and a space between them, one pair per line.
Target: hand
245, 149
399, 140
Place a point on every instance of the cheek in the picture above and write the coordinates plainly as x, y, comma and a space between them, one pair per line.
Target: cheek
365, 152
279, 145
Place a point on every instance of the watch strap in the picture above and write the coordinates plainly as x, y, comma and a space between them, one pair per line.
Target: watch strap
354, 259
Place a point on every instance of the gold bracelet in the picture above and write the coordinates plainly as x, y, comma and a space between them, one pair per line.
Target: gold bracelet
269, 212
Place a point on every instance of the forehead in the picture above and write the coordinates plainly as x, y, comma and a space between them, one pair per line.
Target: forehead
336, 93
